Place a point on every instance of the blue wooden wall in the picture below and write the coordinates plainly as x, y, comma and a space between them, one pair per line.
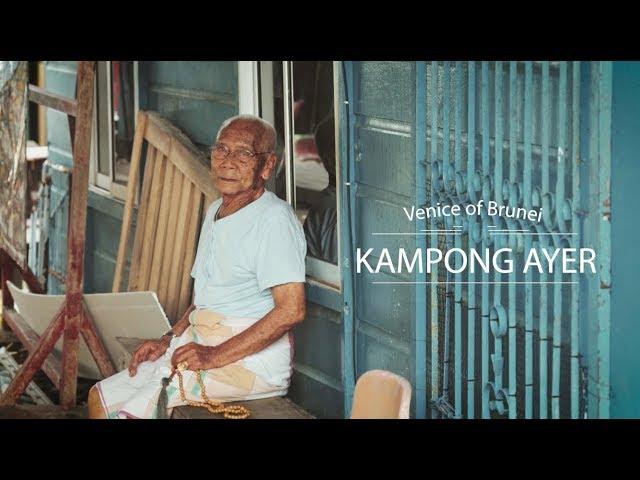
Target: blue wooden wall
380, 117
625, 229
317, 378
196, 96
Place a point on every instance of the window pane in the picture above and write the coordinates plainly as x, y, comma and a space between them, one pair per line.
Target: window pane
315, 160
314, 153
122, 117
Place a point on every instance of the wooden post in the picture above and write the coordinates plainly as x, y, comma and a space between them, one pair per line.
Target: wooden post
77, 231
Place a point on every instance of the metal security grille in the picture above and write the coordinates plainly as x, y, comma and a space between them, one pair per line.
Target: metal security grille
502, 345
522, 134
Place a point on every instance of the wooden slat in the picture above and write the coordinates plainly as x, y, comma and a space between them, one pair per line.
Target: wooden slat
199, 175
96, 347
140, 220
29, 339
170, 246
36, 359
52, 100
184, 154
157, 136
195, 206
161, 232
42, 110
151, 221
180, 246
131, 193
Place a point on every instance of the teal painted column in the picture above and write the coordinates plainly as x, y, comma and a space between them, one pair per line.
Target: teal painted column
625, 231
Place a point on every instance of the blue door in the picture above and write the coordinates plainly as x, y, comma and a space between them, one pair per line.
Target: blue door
527, 134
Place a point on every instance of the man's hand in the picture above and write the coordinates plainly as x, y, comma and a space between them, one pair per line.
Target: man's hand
149, 351
197, 357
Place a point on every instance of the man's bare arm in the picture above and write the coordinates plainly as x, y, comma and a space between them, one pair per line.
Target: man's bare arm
289, 310
154, 349
182, 324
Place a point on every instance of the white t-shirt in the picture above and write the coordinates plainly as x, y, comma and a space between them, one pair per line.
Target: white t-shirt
241, 256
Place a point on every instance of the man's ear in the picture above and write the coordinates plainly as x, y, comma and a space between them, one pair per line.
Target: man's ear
268, 167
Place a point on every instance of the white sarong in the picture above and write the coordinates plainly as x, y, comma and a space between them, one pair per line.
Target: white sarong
266, 373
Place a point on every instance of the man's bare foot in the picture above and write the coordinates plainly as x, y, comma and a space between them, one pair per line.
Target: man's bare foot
94, 404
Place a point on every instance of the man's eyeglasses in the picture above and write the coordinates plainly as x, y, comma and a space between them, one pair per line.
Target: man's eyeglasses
244, 155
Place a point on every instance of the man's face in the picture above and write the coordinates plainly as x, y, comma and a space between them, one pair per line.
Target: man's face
244, 168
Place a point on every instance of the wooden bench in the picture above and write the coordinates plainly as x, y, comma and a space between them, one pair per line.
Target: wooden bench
267, 408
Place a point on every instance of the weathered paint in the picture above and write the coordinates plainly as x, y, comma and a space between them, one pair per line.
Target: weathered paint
347, 154
420, 186
77, 232
625, 261
603, 298
380, 113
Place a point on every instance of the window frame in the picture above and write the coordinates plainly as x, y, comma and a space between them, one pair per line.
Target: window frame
325, 273
101, 183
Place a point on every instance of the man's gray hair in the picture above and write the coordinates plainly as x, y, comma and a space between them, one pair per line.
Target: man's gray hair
270, 137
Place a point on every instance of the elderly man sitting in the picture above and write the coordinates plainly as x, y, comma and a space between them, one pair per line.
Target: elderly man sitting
249, 275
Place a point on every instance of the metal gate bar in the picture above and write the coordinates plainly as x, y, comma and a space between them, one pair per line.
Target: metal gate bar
538, 103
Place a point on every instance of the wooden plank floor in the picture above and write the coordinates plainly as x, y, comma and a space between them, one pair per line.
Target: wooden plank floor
268, 408
46, 412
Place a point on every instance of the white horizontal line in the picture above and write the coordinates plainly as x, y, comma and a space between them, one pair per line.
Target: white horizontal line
450, 283
455, 232
540, 233
412, 233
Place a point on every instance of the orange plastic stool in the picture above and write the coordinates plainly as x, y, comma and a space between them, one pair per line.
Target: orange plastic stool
381, 394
